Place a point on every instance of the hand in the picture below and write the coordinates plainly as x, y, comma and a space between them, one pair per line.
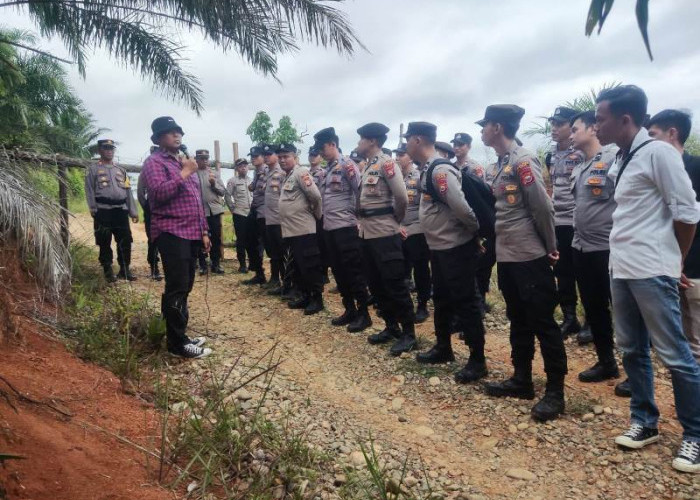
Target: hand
206, 243
685, 283
553, 257
134, 220
212, 179
403, 233
189, 167
481, 248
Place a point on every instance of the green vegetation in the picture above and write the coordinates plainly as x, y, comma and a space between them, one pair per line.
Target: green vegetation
261, 130
600, 9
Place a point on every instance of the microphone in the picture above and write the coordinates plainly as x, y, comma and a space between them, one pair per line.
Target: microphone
183, 149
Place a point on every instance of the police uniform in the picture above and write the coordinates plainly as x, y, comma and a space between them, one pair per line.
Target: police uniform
561, 164
318, 174
340, 191
524, 237
383, 202
256, 217
152, 252
213, 202
108, 194
595, 203
239, 199
300, 208
273, 229
415, 247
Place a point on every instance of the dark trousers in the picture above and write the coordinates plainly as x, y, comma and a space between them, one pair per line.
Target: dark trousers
531, 296
345, 253
593, 280
288, 270
384, 266
325, 259
484, 267
108, 223
255, 243
275, 250
453, 269
240, 227
179, 262
564, 268
417, 255
215, 229
152, 255
307, 263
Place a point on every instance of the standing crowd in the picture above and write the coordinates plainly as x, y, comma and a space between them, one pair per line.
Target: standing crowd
618, 226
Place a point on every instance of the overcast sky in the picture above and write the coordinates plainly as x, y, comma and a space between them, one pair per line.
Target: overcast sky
442, 61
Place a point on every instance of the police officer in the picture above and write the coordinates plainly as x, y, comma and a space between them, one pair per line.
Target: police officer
450, 227
213, 192
415, 247
462, 144
299, 209
444, 150
340, 190
256, 217
359, 160
238, 199
383, 202
318, 174
108, 194
594, 205
273, 229
525, 250
561, 162
152, 252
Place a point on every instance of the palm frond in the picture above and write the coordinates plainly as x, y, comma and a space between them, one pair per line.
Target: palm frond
600, 9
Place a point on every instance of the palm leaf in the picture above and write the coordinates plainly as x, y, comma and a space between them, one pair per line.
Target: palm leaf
642, 11
598, 13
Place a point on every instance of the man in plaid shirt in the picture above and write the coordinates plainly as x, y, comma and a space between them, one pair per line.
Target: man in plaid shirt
178, 227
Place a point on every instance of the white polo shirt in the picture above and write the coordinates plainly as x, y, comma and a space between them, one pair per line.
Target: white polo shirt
653, 192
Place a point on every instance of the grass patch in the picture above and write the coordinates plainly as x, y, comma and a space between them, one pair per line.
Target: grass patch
580, 403
411, 365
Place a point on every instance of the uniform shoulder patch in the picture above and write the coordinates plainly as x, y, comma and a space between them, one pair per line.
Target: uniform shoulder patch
389, 169
349, 170
525, 173
441, 181
306, 178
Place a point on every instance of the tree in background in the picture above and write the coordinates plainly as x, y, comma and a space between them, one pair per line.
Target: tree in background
141, 34
286, 132
260, 130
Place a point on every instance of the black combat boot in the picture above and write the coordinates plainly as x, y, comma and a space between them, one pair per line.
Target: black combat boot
407, 341
125, 274
441, 352
290, 293
274, 288
348, 316
623, 389
203, 270
552, 404
216, 268
604, 369
391, 332
570, 325
361, 322
258, 279
155, 273
518, 386
585, 336
315, 304
474, 370
300, 303
109, 274
422, 311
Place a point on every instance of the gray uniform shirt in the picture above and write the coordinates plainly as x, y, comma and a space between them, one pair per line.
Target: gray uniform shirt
474, 167
524, 212
108, 187
448, 221
412, 220
340, 188
258, 187
141, 192
212, 196
563, 164
300, 203
594, 192
273, 190
238, 196
382, 186
318, 174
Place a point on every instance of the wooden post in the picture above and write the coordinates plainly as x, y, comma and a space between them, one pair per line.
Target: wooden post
217, 155
235, 152
400, 134
63, 203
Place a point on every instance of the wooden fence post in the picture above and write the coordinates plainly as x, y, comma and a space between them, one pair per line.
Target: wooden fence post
63, 202
217, 155
235, 152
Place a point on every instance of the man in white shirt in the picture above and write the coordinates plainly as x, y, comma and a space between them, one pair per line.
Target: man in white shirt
653, 227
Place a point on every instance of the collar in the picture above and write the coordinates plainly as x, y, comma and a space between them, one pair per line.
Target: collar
642, 135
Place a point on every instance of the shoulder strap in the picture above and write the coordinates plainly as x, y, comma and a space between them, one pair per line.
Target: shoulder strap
429, 187
628, 158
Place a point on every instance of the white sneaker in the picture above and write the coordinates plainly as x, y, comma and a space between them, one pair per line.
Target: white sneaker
688, 457
198, 341
637, 437
191, 351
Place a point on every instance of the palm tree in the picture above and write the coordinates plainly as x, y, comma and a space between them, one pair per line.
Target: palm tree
598, 13
140, 33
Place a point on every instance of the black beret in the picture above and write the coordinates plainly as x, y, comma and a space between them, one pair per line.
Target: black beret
462, 138
502, 113
421, 128
325, 136
373, 130
563, 114
314, 151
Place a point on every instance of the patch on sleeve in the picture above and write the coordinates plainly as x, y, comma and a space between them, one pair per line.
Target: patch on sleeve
389, 169
308, 181
350, 170
525, 173
441, 179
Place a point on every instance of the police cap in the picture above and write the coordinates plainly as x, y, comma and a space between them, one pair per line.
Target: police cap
373, 130
201, 153
256, 151
269, 149
106, 144
401, 149
563, 114
502, 113
421, 128
462, 138
325, 136
286, 147
239, 162
445, 147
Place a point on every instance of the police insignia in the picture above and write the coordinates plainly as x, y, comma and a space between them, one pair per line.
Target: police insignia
525, 173
507, 169
350, 171
307, 180
597, 191
594, 181
600, 166
389, 169
441, 179
511, 198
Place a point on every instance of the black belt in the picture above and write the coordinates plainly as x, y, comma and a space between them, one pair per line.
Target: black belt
375, 212
109, 201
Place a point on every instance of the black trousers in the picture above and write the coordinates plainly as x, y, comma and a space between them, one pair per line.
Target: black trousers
215, 230
593, 280
240, 227
345, 254
179, 262
255, 243
108, 223
531, 296
417, 255
484, 266
564, 268
453, 269
275, 250
325, 259
307, 263
152, 255
384, 266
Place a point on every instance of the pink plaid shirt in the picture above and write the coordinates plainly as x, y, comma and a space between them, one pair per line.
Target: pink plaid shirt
176, 204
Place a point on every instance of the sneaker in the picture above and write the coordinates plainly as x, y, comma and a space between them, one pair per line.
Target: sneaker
191, 351
637, 437
198, 341
688, 457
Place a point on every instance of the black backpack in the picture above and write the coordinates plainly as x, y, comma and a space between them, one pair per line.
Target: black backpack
477, 193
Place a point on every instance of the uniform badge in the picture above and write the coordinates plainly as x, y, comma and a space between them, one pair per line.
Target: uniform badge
511, 188
507, 169
389, 169
511, 198
350, 171
600, 166
441, 179
427, 197
525, 173
307, 180
594, 181
597, 191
